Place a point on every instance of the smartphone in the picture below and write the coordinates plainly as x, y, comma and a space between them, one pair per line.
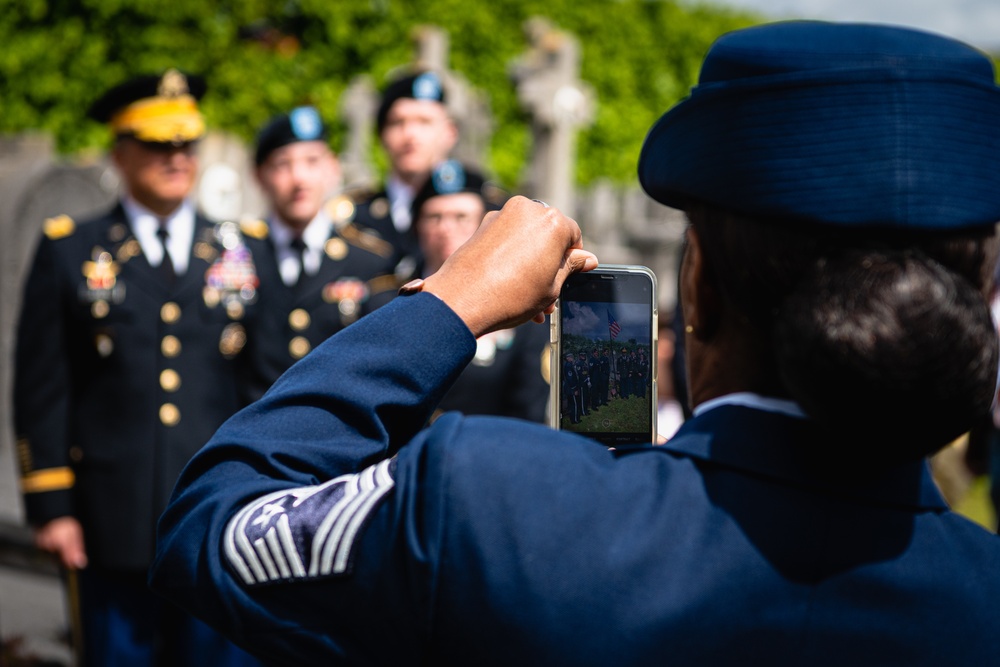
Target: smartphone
603, 356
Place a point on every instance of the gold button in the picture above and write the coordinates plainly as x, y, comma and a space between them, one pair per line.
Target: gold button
204, 251
379, 208
336, 249
211, 296
299, 347
170, 380
170, 346
105, 345
100, 309
234, 309
75, 454
170, 312
169, 414
299, 319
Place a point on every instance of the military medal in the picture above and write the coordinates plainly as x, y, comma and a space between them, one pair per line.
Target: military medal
232, 340
348, 294
232, 279
102, 287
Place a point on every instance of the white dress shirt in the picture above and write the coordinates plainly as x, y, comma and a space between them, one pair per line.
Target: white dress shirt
180, 229
315, 236
400, 197
751, 400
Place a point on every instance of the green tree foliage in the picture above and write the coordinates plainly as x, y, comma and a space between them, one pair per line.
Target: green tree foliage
262, 57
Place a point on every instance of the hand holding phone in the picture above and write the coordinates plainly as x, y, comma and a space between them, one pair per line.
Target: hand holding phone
604, 355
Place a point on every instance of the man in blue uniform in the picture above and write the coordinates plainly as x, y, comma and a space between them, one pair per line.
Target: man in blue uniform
125, 366
586, 383
316, 268
417, 133
626, 370
323, 525
571, 390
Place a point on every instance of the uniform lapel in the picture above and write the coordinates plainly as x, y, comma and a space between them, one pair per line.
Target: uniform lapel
199, 261
136, 271
329, 270
265, 256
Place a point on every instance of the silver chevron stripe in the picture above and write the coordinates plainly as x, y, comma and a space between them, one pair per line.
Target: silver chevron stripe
306, 531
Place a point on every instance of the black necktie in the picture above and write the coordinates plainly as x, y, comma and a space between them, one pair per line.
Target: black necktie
167, 265
299, 246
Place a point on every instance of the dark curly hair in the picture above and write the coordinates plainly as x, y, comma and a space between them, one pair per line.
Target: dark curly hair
883, 337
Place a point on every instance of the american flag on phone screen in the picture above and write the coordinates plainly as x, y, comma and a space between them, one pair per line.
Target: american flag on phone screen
613, 326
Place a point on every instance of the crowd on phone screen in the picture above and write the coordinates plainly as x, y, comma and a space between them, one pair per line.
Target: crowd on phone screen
591, 381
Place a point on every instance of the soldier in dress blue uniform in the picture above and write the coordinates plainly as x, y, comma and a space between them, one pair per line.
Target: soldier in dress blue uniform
642, 372
841, 185
417, 133
316, 268
571, 390
609, 369
586, 383
128, 352
603, 365
625, 368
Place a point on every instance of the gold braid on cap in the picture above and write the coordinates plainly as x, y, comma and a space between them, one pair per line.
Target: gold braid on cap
171, 116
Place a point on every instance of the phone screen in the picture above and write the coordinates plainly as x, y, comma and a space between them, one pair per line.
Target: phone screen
605, 356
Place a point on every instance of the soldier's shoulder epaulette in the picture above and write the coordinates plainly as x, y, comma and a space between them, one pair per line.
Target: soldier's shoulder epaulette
59, 227
364, 240
360, 194
255, 228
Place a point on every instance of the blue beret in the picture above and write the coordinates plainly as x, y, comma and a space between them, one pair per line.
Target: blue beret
418, 86
300, 124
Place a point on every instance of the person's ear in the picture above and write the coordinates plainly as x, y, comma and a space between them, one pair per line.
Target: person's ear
700, 299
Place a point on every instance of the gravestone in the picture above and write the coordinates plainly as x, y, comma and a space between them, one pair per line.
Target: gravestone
227, 188
468, 107
358, 106
559, 103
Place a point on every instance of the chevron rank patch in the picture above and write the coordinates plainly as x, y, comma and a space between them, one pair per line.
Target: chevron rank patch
305, 532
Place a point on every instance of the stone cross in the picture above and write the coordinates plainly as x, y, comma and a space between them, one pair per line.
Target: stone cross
468, 108
358, 106
550, 90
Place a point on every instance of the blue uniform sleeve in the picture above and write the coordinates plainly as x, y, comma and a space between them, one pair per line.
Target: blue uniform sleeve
269, 515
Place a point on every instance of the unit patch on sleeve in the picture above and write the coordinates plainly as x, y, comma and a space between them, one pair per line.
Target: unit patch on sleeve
305, 532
